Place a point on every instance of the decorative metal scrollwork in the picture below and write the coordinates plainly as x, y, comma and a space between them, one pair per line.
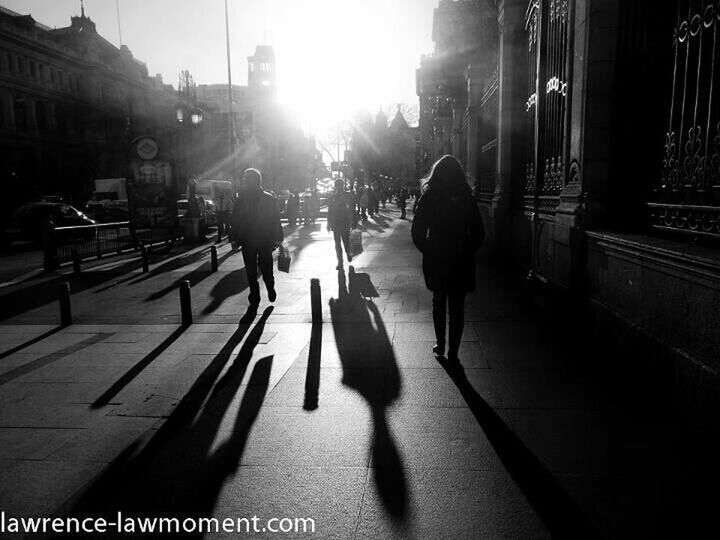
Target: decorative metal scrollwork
546, 105
687, 194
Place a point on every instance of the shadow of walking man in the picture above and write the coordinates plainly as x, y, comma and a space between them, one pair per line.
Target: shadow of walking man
370, 368
180, 471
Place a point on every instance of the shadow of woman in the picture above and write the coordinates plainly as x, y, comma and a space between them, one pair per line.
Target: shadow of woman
370, 368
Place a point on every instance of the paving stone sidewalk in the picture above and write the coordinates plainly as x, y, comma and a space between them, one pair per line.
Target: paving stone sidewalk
351, 422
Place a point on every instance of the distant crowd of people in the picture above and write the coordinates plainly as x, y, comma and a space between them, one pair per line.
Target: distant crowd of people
446, 229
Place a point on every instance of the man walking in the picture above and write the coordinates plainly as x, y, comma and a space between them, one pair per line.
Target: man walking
340, 217
259, 234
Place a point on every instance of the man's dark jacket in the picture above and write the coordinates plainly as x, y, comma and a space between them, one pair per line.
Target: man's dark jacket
257, 218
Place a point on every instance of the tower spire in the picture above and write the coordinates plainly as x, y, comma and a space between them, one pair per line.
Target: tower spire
82, 9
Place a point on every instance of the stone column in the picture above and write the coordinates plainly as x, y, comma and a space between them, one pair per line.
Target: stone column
512, 76
474, 75
458, 112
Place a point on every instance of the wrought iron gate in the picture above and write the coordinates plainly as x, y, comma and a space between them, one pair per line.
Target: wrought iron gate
687, 196
546, 25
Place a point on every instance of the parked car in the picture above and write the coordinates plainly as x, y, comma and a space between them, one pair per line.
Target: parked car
30, 220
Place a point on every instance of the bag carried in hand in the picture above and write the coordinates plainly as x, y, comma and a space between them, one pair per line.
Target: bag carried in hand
284, 260
356, 247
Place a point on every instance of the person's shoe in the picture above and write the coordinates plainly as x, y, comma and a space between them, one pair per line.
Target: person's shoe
272, 294
438, 350
349, 257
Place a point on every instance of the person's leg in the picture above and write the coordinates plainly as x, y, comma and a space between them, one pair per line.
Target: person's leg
456, 301
337, 235
250, 256
439, 301
265, 262
346, 243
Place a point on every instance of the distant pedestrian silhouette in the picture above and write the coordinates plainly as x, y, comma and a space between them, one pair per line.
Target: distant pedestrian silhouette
339, 221
447, 229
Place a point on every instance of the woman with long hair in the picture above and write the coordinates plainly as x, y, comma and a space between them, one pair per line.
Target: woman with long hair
448, 231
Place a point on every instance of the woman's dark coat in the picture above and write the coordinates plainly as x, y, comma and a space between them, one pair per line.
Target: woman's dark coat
447, 229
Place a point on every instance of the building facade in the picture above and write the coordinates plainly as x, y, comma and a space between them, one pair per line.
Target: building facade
70, 105
591, 131
265, 135
385, 151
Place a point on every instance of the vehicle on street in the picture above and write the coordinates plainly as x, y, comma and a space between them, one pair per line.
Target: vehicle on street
30, 221
109, 201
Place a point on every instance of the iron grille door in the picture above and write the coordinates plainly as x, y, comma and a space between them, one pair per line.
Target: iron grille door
546, 25
687, 196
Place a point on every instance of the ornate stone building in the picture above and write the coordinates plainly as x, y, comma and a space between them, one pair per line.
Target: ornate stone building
385, 152
592, 130
70, 104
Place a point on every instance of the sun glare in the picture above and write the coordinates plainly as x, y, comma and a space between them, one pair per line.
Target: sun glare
336, 57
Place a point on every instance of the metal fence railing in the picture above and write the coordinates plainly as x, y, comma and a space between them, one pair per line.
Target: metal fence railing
65, 244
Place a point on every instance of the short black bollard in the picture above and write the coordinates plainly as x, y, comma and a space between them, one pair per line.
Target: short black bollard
144, 257
65, 310
185, 306
213, 259
76, 261
315, 302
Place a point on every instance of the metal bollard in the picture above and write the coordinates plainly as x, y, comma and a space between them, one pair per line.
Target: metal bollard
315, 302
185, 305
65, 309
76, 261
144, 257
213, 259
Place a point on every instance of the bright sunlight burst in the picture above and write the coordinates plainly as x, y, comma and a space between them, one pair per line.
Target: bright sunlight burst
336, 57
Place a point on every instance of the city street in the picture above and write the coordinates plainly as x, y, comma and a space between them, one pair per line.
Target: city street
352, 423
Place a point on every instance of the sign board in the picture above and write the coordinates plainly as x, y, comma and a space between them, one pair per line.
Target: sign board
151, 195
146, 148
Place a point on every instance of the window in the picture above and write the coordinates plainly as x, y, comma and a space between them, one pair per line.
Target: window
52, 75
20, 110
33, 72
41, 115
60, 118
21, 64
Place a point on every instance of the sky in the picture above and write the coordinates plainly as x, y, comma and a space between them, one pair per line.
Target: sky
334, 57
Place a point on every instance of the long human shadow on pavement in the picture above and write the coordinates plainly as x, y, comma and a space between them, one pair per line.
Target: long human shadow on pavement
134, 371
556, 509
370, 368
177, 473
